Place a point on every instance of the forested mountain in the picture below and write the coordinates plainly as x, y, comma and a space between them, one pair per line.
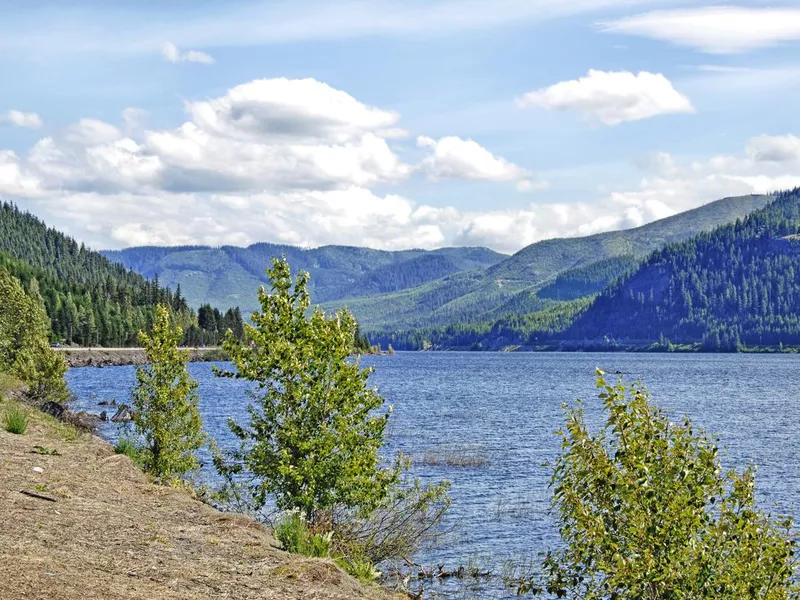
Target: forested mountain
89, 299
540, 274
739, 284
734, 287
230, 275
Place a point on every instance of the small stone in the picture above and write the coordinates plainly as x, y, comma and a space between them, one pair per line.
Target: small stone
38, 470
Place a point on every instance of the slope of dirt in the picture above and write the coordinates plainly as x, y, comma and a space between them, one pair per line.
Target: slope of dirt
111, 534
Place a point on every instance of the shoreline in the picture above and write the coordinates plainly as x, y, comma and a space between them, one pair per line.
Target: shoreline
80, 521
118, 357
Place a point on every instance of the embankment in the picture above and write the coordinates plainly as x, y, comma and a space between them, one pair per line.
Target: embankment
92, 526
108, 357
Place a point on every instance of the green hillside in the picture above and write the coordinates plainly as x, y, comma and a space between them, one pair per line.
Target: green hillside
528, 280
90, 300
229, 275
738, 285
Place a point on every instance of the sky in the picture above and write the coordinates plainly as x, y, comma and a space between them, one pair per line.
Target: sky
391, 124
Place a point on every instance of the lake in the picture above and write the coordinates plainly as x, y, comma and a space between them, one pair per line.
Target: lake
504, 409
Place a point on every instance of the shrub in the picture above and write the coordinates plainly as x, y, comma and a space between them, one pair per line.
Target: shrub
25, 351
645, 511
315, 433
313, 442
15, 420
165, 404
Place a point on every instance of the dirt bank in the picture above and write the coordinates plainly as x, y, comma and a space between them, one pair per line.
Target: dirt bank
107, 357
111, 534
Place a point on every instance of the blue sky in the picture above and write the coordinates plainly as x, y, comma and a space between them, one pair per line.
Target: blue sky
420, 123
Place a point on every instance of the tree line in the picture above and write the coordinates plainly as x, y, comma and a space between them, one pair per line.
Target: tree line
90, 300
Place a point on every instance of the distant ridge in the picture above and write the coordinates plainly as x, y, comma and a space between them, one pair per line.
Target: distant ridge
230, 275
417, 288
512, 285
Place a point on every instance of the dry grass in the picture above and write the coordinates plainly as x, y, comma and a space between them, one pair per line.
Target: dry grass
112, 534
457, 455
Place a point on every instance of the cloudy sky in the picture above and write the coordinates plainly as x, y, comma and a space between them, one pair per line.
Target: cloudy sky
391, 123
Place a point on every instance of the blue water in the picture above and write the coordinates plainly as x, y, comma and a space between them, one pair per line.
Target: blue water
506, 408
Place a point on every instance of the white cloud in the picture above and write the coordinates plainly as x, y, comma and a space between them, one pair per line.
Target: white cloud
237, 173
768, 148
612, 97
26, 120
172, 54
660, 163
135, 120
91, 132
456, 158
674, 187
714, 29
15, 180
294, 109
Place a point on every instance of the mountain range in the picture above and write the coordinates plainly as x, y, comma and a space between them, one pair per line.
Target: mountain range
417, 288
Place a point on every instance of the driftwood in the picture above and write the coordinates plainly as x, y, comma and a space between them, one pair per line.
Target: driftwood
37, 495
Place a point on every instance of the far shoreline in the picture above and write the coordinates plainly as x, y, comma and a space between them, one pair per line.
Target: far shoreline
117, 357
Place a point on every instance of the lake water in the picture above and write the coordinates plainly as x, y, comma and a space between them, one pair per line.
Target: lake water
505, 407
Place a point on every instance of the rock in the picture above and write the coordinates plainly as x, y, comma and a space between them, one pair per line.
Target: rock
104, 416
83, 421
103, 403
54, 409
38, 470
123, 414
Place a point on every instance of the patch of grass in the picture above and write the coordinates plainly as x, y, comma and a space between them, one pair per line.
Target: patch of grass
129, 448
45, 451
458, 455
296, 537
363, 570
15, 420
65, 431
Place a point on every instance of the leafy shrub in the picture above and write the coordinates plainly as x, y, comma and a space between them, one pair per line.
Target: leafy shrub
165, 404
15, 420
25, 350
315, 434
645, 511
313, 442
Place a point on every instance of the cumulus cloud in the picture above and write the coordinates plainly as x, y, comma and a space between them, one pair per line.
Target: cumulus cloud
766, 148
236, 172
714, 29
294, 109
172, 54
671, 187
612, 97
456, 158
26, 120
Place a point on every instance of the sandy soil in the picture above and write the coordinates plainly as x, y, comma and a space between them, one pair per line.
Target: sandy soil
111, 534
